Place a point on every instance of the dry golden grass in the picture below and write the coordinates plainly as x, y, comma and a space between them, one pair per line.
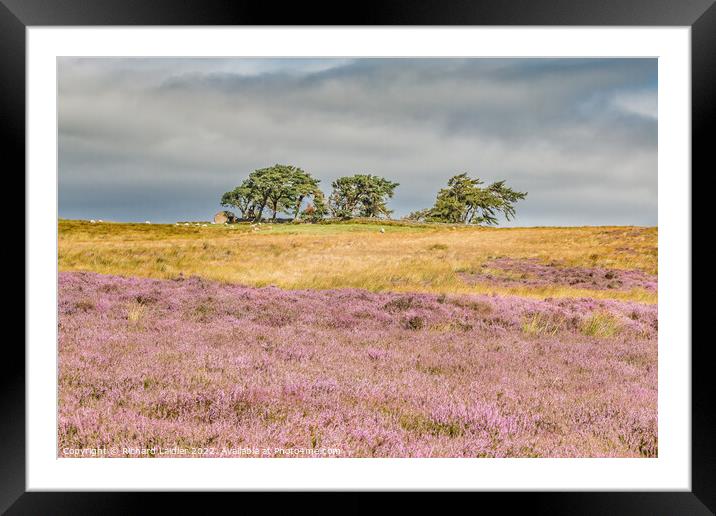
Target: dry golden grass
419, 258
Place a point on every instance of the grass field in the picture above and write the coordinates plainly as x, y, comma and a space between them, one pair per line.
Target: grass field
339, 339
405, 258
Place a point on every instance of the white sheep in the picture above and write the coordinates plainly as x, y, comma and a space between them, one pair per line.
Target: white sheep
382, 230
92, 221
147, 222
100, 220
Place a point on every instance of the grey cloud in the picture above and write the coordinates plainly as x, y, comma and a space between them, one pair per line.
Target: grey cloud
578, 135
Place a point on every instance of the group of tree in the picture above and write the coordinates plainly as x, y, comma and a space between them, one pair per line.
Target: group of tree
293, 191
277, 189
466, 201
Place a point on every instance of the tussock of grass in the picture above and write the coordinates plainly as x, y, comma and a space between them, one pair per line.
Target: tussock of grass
541, 324
135, 312
601, 325
421, 425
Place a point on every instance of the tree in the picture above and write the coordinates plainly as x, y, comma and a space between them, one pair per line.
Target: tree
361, 195
345, 197
458, 201
241, 198
317, 209
274, 188
464, 201
504, 199
302, 185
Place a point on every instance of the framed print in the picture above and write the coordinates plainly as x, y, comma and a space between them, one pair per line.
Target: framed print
433, 247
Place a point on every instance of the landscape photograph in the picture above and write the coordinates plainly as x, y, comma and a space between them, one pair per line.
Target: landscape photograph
357, 257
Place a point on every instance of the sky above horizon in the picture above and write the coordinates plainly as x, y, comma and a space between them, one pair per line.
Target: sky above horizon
161, 139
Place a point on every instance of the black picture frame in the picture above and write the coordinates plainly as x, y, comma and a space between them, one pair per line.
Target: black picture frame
16, 15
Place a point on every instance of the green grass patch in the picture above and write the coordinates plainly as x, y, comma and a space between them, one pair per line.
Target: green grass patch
542, 324
421, 425
600, 325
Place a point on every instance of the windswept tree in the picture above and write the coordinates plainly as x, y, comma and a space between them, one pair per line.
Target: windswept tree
241, 198
361, 195
503, 200
303, 186
273, 189
465, 201
459, 201
278, 189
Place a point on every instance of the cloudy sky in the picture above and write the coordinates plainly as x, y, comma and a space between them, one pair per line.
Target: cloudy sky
162, 139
